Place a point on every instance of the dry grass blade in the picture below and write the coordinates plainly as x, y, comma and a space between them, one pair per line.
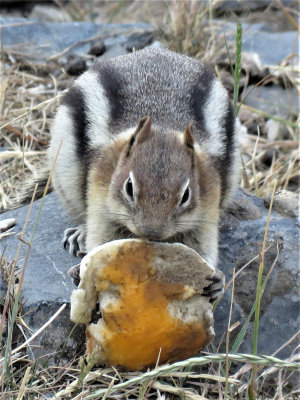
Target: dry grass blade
34, 108
5, 155
186, 28
23, 384
26, 111
295, 357
214, 358
288, 15
259, 292
180, 392
228, 336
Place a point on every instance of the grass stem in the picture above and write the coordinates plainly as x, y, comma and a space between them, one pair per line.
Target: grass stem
237, 69
251, 392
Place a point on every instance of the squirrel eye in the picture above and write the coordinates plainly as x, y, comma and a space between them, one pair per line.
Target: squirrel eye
185, 197
129, 188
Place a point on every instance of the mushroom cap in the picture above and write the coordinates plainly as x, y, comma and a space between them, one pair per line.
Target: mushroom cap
150, 297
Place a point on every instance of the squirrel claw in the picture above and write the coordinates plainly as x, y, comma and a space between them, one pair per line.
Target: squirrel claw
216, 288
74, 274
75, 239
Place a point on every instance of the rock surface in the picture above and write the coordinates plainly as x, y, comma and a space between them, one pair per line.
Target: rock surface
273, 100
239, 240
47, 286
42, 40
285, 203
38, 41
246, 5
272, 48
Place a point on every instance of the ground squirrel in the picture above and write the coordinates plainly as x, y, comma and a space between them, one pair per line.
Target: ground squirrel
149, 150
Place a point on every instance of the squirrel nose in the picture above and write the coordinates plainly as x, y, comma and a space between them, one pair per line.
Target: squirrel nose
152, 234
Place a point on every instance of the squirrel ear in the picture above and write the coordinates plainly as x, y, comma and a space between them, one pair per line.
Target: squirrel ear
140, 134
188, 137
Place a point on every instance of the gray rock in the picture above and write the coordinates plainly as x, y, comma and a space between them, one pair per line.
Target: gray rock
268, 156
46, 283
246, 5
157, 45
271, 47
285, 203
75, 65
239, 241
273, 100
138, 42
243, 209
113, 51
276, 130
38, 41
97, 48
47, 286
46, 275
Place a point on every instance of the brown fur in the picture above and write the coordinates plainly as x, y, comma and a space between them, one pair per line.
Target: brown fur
161, 162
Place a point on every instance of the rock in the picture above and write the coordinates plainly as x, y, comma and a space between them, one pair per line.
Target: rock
97, 47
285, 203
273, 100
7, 224
38, 41
46, 283
157, 45
252, 122
113, 51
138, 42
243, 209
252, 64
246, 6
75, 65
268, 156
276, 130
271, 47
47, 286
238, 245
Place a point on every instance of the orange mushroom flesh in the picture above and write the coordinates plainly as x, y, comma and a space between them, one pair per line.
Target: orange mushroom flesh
138, 330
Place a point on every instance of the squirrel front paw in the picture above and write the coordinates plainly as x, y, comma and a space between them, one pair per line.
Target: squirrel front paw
216, 288
74, 273
75, 239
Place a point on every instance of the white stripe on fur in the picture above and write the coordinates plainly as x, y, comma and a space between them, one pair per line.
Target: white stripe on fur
67, 173
97, 108
214, 113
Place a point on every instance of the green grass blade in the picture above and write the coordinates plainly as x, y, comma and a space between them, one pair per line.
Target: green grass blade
240, 337
237, 70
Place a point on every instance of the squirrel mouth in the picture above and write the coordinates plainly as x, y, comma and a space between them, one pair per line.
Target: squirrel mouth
145, 234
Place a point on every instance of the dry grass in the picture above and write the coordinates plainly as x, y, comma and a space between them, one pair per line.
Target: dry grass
28, 99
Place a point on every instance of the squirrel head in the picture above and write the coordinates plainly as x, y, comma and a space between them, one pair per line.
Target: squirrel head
156, 182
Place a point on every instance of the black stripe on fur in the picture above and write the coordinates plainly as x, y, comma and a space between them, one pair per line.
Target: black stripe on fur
228, 124
75, 101
113, 85
199, 94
